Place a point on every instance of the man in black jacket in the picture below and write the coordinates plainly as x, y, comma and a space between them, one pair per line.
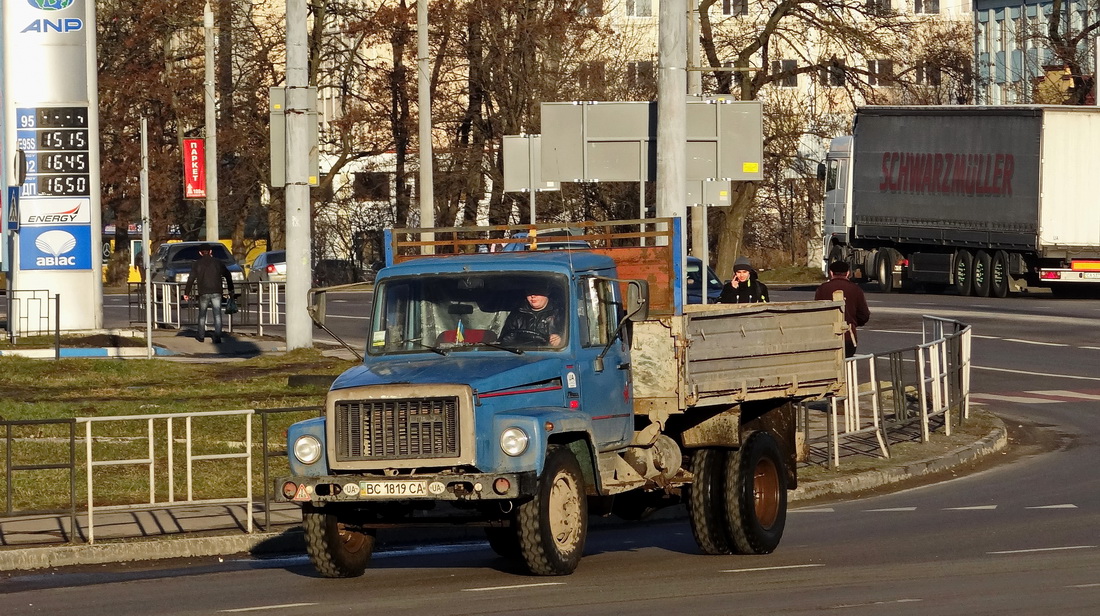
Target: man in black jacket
536, 322
744, 288
207, 274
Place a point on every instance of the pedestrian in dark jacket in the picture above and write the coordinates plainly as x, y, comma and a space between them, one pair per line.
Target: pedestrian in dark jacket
206, 277
744, 288
856, 312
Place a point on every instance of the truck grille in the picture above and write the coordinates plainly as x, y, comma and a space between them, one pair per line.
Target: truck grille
397, 429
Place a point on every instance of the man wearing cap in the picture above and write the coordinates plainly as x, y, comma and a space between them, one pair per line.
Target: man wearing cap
744, 288
207, 274
536, 321
856, 312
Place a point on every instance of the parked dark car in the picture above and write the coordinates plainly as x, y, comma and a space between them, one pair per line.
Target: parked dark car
331, 272
695, 283
268, 267
173, 262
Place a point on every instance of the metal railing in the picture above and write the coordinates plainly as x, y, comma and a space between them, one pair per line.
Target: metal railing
13, 463
150, 462
259, 304
32, 312
919, 383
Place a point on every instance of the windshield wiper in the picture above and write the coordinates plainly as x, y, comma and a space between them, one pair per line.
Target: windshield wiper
497, 345
417, 342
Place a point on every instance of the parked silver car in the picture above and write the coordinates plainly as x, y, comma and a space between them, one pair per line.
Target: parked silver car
269, 267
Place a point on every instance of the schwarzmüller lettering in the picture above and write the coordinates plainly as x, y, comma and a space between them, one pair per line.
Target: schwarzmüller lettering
948, 173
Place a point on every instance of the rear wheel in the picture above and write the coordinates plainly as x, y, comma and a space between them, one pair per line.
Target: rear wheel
707, 501
552, 527
756, 502
884, 268
982, 275
963, 272
999, 280
336, 549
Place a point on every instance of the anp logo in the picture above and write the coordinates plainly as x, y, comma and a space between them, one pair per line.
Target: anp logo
51, 5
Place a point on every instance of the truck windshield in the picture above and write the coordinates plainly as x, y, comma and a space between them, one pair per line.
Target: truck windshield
485, 311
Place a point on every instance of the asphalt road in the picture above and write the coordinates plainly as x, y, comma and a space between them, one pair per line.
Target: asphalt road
1019, 537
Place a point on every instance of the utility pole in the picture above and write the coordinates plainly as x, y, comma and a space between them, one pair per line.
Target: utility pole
211, 145
299, 332
424, 102
672, 115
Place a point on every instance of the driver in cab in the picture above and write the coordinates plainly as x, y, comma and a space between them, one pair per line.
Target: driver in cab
537, 321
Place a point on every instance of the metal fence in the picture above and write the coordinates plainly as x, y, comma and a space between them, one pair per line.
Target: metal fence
259, 304
915, 384
149, 445
31, 312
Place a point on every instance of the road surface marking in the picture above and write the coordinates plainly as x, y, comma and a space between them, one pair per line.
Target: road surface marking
974, 508
1018, 399
1066, 506
261, 608
1067, 394
513, 587
1030, 373
1033, 550
1083, 586
777, 568
848, 605
821, 510
891, 510
1055, 344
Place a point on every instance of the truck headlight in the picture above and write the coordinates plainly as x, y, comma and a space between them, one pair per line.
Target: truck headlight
307, 449
513, 441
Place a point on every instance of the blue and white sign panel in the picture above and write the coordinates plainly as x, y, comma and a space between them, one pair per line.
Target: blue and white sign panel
63, 247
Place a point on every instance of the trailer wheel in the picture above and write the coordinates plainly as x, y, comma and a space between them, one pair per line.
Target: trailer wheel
757, 496
707, 501
999, 282
884, 268
963, 272
982, 274
552, 527
335, 549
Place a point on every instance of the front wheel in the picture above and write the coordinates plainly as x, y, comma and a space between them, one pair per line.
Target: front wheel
757, 496
552, 526
336, 549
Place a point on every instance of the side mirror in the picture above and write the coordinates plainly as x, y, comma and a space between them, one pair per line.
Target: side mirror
637, 300
821, 172
316, 307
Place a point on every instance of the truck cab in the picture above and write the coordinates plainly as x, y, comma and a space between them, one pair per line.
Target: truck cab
836, 172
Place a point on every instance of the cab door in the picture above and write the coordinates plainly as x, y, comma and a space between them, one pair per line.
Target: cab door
605, 391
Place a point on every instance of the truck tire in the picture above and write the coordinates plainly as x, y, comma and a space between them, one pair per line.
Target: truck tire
552, 527
504, 541
335, 549
962, 272
999, 280
983, 274
884, 268
707, 501
757, 495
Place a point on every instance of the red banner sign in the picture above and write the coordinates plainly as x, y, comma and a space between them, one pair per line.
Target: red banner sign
194, 169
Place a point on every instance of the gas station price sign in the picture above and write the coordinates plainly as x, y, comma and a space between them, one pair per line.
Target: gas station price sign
56, 143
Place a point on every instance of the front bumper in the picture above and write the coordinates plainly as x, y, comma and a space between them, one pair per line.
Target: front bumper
466, 487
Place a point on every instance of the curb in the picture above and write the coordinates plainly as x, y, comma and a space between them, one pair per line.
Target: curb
995, 440
121, 352
291, 541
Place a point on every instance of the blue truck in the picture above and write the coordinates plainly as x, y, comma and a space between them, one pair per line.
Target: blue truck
637, 403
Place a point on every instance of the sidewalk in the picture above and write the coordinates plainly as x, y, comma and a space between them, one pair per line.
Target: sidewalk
44, 541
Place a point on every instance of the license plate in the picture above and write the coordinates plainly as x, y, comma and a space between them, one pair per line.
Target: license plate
392, 489
1092, 275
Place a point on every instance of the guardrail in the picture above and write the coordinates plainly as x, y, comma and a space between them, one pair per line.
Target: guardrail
899, 387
